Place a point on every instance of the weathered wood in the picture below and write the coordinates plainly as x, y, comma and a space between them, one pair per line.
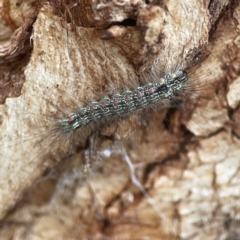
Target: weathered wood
80, 51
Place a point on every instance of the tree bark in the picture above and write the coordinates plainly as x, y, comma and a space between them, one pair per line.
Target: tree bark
155, 180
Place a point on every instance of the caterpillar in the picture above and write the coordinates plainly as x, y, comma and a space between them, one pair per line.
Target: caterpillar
128, 102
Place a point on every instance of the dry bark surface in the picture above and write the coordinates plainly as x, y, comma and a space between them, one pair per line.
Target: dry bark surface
155, 180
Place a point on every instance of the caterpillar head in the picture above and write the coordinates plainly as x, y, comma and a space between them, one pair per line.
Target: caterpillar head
177, 80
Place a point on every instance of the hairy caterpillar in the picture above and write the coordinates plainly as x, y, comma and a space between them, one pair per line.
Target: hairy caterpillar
127, 103
66, 102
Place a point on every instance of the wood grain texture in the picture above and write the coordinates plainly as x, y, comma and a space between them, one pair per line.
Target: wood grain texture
190, 169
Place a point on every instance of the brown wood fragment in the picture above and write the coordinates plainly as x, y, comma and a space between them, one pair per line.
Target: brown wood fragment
189, 167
